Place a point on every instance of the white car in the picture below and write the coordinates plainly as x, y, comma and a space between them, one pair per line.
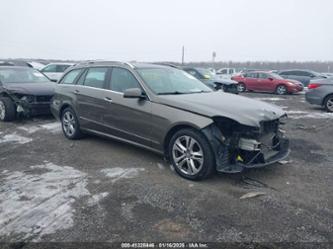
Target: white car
54, 71
227, 71
36, 65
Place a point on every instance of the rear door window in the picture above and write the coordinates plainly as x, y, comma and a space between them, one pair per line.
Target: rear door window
96, 77
305, 73
251, 75
263, 76
122, 79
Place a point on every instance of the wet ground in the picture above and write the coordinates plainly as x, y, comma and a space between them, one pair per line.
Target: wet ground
94, 189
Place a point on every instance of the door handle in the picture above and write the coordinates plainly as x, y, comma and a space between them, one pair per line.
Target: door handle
76, 91
108, 99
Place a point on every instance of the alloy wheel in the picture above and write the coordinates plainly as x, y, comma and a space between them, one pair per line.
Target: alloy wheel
2, 111
281, 90
69, 123
187, 155
241, 87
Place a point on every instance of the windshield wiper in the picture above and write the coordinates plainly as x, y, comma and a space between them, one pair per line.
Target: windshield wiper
201, 91
170, 93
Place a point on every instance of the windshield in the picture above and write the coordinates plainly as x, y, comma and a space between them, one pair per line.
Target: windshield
317, 74
171, 81
21, 75
206, 73
276, 76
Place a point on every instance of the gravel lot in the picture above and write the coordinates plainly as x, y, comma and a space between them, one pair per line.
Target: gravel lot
94, 189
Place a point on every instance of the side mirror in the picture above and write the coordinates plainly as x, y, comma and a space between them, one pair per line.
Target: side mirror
134, 93
53, 80
270, 78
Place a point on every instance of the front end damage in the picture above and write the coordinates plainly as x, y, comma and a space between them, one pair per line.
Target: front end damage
30, 105
237, 147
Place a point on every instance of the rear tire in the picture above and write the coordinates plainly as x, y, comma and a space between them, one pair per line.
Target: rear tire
328, 103
241, 87
7, 109
70, 124
281, 90
191, 154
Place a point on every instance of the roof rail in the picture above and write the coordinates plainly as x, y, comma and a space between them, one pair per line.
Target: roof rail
129, 64
105, 62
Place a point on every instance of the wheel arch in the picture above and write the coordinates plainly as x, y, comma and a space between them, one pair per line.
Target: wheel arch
172, 131
63, 107
324, 99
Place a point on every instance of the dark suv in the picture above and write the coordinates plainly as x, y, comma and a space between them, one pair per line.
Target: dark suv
169, 111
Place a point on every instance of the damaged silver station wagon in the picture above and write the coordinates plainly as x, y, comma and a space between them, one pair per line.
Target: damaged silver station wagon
168, 111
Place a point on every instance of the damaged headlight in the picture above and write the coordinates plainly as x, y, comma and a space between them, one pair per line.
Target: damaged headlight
283, 119
28, 99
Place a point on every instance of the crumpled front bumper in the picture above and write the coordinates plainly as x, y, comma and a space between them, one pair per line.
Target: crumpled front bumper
282, 154
225, 156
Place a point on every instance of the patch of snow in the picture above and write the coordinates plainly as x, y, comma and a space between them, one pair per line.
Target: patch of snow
14, 138
39, 201
270, 99
314, 115
53, 127
95, 199
292, 112
29, 129
127, 210
119, 173
160, 166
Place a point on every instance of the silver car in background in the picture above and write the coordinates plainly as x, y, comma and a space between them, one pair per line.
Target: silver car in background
320, 92
54, 71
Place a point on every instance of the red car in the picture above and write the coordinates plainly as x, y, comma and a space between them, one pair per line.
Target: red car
267, 82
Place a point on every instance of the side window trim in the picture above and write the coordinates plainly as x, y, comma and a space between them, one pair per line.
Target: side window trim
82, 75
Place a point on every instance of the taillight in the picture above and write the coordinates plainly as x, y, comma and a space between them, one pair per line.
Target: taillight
313, 85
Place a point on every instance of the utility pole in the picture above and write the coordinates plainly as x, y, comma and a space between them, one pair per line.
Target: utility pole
183, 54
213, 59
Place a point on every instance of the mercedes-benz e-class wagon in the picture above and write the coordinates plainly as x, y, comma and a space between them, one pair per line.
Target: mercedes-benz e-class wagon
168, 111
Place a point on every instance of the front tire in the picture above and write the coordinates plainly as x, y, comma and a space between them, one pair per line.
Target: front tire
241, 87
7, 109
281, 90
70, 124
328, 103
191, 154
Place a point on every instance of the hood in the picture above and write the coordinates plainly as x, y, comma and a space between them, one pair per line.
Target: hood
224, 81
295, 82
37, 89
244, 110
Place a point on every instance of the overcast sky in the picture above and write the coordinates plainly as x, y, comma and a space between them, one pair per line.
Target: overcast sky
155, 30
